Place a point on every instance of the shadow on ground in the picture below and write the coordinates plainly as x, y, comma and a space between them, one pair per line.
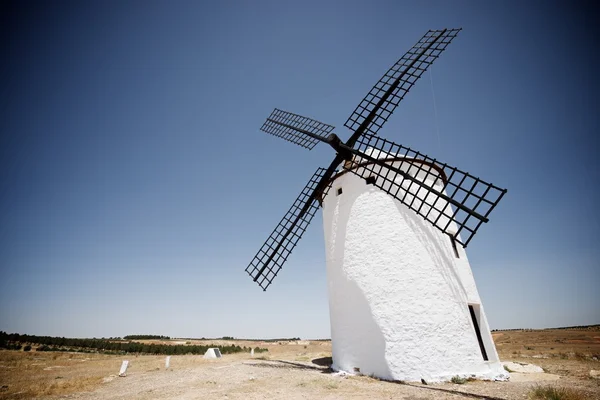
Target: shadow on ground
323, 361
323, 365
324, 369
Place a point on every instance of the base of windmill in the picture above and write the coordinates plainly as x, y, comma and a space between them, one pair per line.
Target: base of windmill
403, 301
212, 352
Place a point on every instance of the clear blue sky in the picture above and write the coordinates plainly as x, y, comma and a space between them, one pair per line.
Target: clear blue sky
135, 185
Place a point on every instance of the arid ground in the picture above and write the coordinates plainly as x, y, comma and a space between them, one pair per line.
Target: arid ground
292, 370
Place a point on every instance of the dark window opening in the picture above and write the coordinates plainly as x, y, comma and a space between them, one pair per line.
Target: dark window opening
478, 333
339, 191
454, 247
370, 180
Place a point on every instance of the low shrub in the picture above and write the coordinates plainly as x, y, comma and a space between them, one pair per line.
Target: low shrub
458, 380
260, 350
556, 393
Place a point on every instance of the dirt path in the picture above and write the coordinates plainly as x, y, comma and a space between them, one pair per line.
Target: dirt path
240, 377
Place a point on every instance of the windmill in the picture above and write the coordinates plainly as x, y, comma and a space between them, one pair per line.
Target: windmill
403, 302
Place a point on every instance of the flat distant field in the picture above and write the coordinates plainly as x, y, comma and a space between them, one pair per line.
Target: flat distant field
291, 370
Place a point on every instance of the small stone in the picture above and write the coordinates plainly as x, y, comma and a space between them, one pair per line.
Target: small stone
594, 374
423, 381
522, 367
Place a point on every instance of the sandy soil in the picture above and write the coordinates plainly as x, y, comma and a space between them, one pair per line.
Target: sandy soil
289, 371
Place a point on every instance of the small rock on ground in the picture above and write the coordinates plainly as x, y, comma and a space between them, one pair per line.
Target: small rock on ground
522, 368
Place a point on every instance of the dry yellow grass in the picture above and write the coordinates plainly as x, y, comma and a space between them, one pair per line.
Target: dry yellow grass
26, 375
555, 343
565, 352
556, 393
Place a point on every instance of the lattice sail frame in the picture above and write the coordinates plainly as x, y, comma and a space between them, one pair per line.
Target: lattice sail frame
268, 261
273, 125
385, 96
467, 191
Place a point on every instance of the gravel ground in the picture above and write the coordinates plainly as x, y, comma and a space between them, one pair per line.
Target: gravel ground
242, 377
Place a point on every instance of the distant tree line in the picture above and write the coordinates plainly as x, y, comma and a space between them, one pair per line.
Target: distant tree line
14, 341
294, 339
578, 327
248, 340
259, 340
146, 337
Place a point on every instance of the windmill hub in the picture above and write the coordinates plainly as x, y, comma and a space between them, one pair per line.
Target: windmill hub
334, 141
402, 298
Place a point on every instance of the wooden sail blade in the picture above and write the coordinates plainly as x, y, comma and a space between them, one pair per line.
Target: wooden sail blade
379, 104
296, 128
269, 259
452, 200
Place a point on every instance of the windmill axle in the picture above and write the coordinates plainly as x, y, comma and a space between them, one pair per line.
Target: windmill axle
334, 141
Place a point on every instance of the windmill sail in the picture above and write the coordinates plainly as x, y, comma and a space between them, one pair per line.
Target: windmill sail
454, 201
267, 262
293, 128
379, 104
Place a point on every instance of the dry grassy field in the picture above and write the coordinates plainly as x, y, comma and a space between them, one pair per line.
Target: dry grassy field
295, 371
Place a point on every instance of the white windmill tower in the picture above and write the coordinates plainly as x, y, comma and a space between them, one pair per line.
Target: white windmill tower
403, 301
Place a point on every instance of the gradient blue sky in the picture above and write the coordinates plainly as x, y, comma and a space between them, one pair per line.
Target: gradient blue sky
135, 185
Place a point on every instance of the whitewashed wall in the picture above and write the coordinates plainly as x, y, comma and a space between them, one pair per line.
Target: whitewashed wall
398, 296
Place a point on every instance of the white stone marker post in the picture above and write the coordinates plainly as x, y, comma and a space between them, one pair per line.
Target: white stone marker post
168, 362
123, 371
251, 352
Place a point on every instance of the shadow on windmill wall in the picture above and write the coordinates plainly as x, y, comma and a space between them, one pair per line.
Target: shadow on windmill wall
429, 238
358, 343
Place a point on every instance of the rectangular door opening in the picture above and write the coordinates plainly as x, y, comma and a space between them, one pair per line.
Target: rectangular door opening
478, 332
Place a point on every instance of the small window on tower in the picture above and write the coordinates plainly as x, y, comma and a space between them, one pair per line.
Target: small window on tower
454, 247
339, 191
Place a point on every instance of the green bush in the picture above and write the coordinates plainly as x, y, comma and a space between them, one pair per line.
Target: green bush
259, 350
